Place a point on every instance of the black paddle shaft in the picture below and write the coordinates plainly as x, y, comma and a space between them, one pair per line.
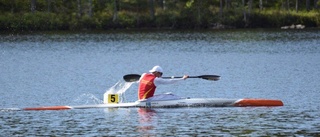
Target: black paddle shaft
136, 77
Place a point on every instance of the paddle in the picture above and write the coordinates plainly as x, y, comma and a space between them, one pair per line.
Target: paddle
136, 77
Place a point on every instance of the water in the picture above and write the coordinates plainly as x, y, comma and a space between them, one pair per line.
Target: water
46, 69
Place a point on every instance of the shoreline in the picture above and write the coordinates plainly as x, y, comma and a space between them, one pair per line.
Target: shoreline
128, 30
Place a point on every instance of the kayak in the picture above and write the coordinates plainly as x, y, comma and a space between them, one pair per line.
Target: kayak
176, 103
169, 100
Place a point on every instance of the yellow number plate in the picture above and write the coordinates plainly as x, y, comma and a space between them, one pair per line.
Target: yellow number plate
113, 98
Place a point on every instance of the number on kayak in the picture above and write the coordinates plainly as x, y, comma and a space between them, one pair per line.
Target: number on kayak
113, 98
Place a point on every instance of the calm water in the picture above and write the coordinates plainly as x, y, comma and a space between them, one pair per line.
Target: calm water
76, 69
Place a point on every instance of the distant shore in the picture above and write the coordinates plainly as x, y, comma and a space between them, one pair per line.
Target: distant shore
41, 21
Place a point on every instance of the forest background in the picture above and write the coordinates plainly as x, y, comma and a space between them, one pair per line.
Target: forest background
46, 15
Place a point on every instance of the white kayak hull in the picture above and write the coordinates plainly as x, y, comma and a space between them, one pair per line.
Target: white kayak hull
185, 102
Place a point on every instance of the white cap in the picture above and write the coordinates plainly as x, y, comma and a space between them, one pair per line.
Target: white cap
156, 68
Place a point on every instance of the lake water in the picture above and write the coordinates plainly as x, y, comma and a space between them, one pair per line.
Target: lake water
47, 69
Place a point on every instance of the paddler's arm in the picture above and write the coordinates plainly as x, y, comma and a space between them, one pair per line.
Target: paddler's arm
159, 81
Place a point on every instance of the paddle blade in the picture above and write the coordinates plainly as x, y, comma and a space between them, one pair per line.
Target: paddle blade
131, 77
210, 77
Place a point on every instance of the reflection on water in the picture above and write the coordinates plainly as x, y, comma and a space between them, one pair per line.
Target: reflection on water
147, 121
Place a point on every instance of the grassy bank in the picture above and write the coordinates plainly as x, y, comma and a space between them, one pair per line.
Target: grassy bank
41, 21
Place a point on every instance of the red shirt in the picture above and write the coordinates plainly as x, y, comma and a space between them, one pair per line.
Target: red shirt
146, 86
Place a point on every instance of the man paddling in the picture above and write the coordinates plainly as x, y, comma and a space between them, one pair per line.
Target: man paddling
148, 82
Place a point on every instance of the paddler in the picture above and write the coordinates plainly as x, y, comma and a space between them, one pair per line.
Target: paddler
148, 82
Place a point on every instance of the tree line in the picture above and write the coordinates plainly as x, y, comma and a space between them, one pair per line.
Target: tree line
26, 15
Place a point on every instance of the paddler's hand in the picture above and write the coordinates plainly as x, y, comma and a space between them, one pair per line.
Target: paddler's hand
185, 77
